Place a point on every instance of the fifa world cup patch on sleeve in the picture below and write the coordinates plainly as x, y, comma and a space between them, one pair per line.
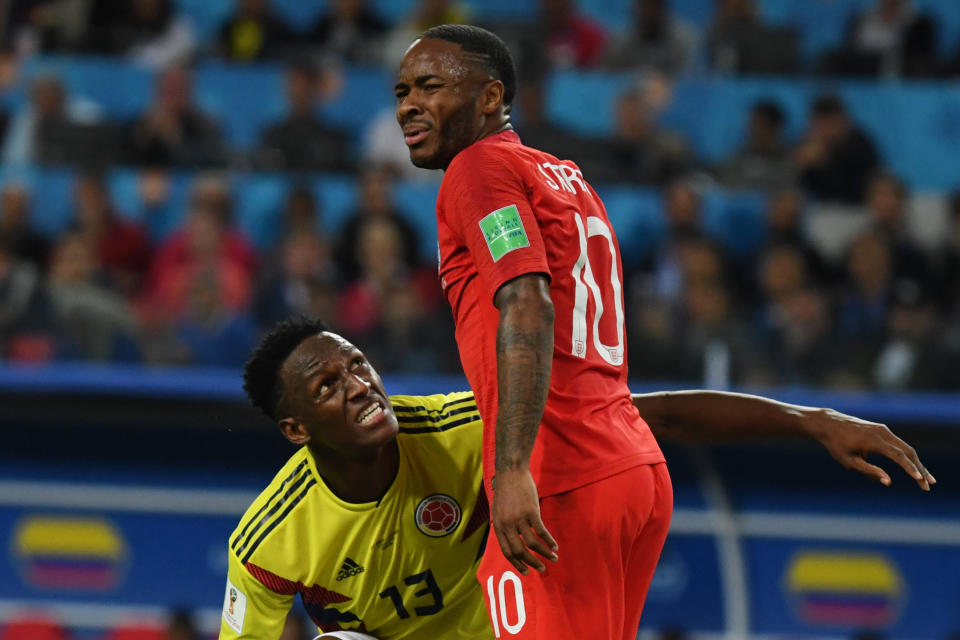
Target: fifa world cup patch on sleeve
234, 607
503, 230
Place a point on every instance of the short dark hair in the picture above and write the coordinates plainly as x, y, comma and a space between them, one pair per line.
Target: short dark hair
828, 105
496, 56
261, 374
771, 111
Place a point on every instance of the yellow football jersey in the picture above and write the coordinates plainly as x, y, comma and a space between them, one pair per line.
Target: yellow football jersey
403, 567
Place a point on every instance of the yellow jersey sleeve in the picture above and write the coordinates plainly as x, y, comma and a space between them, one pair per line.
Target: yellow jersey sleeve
250, 609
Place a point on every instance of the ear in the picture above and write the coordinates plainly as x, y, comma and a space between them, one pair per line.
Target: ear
492, 98
294, 431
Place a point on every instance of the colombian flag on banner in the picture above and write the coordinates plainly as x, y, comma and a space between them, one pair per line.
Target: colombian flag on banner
63, 552
848, 589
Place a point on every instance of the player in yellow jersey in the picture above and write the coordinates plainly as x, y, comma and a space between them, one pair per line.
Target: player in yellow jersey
378, 521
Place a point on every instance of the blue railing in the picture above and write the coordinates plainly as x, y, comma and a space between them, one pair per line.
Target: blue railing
936, 409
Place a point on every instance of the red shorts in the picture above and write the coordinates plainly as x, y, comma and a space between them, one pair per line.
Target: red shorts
610, 534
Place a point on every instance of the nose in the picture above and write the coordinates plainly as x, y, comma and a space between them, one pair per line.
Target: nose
357, 387
407, 108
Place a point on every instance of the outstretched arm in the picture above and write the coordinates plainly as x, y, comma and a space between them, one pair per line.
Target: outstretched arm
714, 416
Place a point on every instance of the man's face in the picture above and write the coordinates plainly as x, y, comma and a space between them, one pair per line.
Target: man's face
337, 396
438, 101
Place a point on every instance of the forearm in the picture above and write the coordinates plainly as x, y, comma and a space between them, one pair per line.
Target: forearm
715, 416
524, 359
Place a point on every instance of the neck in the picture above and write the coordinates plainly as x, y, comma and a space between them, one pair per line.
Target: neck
359, 479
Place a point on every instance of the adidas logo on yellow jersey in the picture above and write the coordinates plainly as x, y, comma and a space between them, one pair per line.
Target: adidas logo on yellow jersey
348, 569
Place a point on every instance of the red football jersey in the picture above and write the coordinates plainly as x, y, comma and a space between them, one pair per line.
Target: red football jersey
505, 210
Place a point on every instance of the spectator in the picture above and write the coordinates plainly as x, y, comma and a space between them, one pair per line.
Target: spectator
91, 321
656, 40
304, 264
254, 32
683, 210
19, 293
122, 247
350, 32
835, 159
865, 302
50, 128
913, 356
428, 13
213, 331
886, 202
800, 340
301, 213
763, 162
640, 151
381, 270
572, 39
15, 232
948, 262
538, 132
374, 202
784, 221
149, 32
173, 130
207, 242
302, 140
890, 38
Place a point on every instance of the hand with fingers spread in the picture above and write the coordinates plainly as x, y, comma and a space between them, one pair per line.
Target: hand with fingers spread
849, 440
517, 523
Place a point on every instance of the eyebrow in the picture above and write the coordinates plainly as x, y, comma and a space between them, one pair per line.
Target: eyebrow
419, 80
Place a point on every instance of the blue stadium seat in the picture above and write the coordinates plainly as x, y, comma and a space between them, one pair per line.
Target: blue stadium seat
243, 99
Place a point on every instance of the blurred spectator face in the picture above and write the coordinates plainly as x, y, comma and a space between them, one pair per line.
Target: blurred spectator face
652, 16
174, 90
252, 8
303, 254
432, 12
869, 263
375, 193
151, 12
301, 90
347, 10
765, 128
634, 119
707, 304
181, 627
205, 231
153, 187
48, 97
74, 261
213, 192
701, 262
14, 204
783, 214
402, 307
683, 207
301, 210
730, 9
885, 199
558, 13
93, 203
380, 252
807, 317
828, 121
206, 302
911, 314
782, 272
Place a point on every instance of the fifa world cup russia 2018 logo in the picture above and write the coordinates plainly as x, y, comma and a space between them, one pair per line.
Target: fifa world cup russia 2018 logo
233, 598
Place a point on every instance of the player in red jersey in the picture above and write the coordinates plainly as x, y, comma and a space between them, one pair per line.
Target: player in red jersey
531, 268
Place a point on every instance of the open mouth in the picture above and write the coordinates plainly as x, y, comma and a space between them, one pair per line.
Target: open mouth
414, 135
371, 415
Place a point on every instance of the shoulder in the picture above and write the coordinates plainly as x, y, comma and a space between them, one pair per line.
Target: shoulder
436, 413
271, 510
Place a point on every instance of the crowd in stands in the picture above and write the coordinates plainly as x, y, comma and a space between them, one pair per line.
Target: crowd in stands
880, 311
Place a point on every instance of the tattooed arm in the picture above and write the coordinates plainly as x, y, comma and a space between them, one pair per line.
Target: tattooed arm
524, 359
